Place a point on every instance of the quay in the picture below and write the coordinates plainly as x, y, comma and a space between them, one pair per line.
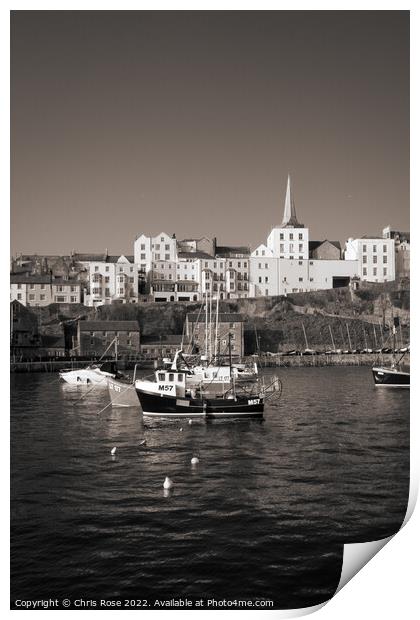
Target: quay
276, 360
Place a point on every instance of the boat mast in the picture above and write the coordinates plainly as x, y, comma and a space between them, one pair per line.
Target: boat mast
304, 333
348, 334
332, 338
217, 322
210, 325
207, 323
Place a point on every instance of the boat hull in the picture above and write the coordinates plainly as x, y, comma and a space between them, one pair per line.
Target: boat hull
160, 405
85, 376
390, 377
122, 394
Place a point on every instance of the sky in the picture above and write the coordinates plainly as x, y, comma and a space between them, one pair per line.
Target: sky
130, 122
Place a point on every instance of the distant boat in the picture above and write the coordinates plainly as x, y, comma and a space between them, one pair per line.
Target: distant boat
96, 374
397, 374
391, 376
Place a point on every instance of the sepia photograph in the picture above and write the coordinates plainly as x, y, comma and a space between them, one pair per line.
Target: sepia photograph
209, 304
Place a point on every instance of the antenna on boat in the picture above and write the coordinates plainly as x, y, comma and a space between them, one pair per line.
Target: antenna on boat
217, 321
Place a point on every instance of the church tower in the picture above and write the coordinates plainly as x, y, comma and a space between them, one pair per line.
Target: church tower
290, 239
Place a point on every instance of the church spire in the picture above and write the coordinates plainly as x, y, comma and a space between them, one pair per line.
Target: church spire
289, 217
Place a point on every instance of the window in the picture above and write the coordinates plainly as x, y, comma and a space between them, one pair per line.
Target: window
32, 286
42, 297
291, 236
96, 268
364, 249
364, 271
19, 295
300, 262
375, 271
167, 247
42, 287
311, 262
60, 299
385, 259
180, 378
32, 296
281, 248
311, 279
385, 271
266, 279
162, 238
374, 248
167, 257
142, 256
107, 268
364, 259
143, 246
157, 246
19, 286
161, 376
385, 249
230, 264
239, 265
375, 259
300, 247
291, 248
300, 279
300, 236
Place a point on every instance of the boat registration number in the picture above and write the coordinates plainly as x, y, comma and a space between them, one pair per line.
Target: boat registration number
165, 388
253, 401
114, 387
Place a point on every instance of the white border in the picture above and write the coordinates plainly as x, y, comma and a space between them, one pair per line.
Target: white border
387, 586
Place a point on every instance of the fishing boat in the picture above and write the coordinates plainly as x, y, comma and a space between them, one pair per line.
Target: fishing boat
172, 394
122, 391
397, 374
94, 374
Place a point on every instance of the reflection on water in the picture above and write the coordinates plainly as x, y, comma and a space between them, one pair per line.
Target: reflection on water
263, 514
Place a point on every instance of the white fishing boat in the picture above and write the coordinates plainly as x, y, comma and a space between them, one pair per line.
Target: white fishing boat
94, 374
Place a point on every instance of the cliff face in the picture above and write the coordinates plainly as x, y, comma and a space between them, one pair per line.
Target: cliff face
338, 317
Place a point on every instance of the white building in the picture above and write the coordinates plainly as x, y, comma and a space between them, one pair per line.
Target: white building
284, 265
112, 279
375, 258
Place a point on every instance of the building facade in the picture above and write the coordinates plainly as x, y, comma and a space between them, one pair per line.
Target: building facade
215, 339
402, 251
375, 257
95, 337
32, 290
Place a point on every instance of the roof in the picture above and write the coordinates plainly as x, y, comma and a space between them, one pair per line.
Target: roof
100, 258
110, 326
42, 279
225, 317
230, 250
195, 255
315, 244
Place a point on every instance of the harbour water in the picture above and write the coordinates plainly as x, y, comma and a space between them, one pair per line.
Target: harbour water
263, 515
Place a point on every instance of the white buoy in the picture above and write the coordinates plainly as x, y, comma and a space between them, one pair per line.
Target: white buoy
113, 451
180, 428
142, 443
194, 460
190, 421
168, 484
